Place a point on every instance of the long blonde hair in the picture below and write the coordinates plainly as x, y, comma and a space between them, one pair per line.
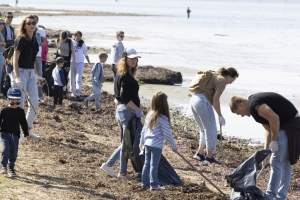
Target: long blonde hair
159, 106
123, 68
22, 31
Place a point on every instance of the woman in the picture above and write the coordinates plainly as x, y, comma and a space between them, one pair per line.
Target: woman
24, 74
2, 49
202, 107
65, 49
126, 90
76, 75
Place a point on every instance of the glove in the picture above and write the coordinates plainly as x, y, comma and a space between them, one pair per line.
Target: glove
19, 82
64, 88
273, 146
139, 114
38, 78
222, 120
141, 148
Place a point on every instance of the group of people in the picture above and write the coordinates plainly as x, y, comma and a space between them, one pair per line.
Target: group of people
278, 115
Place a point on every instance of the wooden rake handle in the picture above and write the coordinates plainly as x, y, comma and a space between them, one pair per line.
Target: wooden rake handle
200, 173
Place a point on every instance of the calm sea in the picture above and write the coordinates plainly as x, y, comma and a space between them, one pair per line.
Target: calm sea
259, 38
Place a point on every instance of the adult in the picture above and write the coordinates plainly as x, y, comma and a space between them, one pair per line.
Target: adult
2, 49
281, 122
41, 39
81, 52
24, 74
8, 32
126, 92
117, 50
202, 105
65, 49
188, 11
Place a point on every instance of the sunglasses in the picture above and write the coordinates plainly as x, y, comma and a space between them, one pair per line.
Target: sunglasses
14, 103
9, 17
2, 23
122, 36
29, 23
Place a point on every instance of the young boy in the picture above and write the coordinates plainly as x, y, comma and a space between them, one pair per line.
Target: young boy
11, 118
117, 50
97, 81
58, 81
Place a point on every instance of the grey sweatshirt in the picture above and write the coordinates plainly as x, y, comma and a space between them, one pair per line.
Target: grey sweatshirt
97, 74
117, 51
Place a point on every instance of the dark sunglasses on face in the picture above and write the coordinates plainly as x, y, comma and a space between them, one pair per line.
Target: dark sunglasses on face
29, 23
14, 103
9, 17
2, 23
122, 36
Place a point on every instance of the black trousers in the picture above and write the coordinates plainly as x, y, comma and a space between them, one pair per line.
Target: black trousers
58, 94
114, 69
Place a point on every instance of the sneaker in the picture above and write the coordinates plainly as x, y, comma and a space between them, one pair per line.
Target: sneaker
34, 136
211, 160
11, 172
85, 103
127, 176
199, 156
109, 170
73, 95
158, 188
3, 170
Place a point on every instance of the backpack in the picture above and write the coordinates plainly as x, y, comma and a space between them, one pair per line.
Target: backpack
8, 55
199, 82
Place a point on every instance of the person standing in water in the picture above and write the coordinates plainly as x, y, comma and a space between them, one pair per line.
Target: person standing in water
188, 12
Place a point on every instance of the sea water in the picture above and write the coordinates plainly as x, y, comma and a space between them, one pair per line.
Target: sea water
259, 38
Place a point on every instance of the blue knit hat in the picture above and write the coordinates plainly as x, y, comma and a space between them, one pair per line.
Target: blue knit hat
14, 93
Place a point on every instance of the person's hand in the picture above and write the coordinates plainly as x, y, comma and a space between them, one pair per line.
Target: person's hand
64, 88
273, 146
141, 147
27, 138
222, 120
19, 82
139, 114
175, 150
53, 87
91, 65
38, 78
4, 44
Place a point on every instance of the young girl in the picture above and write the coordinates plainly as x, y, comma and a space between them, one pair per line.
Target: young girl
156, 129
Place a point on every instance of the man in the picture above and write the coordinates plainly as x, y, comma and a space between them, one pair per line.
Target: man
281, 122
188, 12
8, 31
41, 39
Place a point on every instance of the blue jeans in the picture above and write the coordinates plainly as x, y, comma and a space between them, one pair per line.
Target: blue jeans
1, 69
281, 170
205, 117
10, 145
150, 169
123, 114
30, 87
95, 95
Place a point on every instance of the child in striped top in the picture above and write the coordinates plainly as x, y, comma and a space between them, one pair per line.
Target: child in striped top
156, 129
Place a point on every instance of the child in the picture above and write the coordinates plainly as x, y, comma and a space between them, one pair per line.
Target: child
156, 129
117, 50
11, 118
58, 81
97, 81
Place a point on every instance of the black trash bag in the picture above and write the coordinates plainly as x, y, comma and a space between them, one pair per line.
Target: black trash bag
47, 74
131, 150
243, 179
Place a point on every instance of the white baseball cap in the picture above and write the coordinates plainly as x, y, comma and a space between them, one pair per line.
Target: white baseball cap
131, 53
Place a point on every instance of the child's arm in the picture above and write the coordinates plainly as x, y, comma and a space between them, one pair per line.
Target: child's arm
23, 123
101, 76
167, 131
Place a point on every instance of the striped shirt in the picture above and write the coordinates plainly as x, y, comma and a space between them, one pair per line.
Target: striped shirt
160, 132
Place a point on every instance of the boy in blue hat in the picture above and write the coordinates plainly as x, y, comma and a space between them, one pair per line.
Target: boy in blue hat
11, 117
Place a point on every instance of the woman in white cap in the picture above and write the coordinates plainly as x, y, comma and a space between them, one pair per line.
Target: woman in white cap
126, 90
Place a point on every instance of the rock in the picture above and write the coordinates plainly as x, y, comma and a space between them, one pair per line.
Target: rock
150, 75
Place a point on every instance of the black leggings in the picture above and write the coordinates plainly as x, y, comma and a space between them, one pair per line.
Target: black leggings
58, 94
